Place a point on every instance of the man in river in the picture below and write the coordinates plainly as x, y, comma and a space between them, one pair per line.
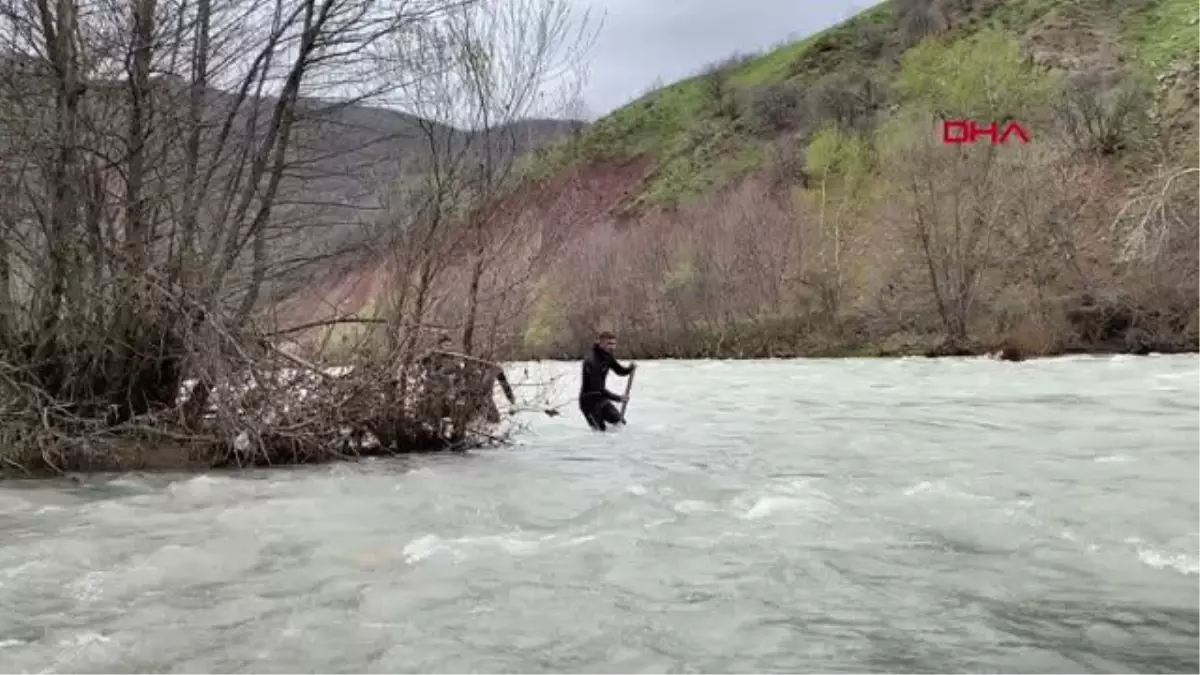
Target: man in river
595, 401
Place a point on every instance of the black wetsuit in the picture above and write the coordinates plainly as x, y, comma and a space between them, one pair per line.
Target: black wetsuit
595, 401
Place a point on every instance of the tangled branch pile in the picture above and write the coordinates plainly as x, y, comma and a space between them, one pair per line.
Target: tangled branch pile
121, 405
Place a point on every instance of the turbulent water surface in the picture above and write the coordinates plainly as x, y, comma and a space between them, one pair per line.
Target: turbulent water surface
907, 515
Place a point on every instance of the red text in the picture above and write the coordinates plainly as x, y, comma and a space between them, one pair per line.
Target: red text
968, 131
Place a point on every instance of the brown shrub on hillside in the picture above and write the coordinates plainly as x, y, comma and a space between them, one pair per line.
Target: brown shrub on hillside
733, 274
1102, 111
686, 281
786, 162
776, 107
848, 99
918, 19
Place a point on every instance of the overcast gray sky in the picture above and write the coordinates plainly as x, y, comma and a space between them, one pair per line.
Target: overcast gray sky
645, 40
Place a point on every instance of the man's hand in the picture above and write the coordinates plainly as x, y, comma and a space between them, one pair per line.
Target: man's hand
624, 399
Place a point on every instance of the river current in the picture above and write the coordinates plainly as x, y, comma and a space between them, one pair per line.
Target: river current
902, 515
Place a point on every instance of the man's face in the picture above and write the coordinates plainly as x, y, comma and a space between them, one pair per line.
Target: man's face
608, 344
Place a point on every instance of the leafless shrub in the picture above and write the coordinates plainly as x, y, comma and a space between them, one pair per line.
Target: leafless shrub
1160, 220
734, 61
786, 162
962, 205
849, 99
716, 276
483, 68
1022, 325
919, 19
776, 107
1102, 112
874, 40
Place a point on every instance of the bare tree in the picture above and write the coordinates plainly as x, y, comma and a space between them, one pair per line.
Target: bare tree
1153, 220
958, 200
148, 148
482, 70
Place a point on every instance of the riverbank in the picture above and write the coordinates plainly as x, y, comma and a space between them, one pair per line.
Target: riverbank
284, 417
1073, 324
776, 342
933, 351
148, 456
165, 455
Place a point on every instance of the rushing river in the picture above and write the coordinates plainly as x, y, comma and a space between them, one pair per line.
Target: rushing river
828, 516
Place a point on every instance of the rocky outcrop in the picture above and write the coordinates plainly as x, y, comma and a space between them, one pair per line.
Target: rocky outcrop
1176, 97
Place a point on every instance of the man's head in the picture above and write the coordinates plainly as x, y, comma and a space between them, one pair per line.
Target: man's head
443, 342
607, 341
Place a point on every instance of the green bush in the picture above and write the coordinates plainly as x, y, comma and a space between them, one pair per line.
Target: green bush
984, 77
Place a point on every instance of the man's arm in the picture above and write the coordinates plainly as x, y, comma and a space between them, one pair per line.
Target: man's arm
617, 368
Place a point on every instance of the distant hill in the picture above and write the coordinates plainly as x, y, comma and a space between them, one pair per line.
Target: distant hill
345, 157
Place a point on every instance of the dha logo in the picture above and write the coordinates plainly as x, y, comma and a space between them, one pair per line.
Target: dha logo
958, 132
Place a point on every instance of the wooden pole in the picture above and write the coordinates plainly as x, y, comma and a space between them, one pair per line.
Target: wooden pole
628, 388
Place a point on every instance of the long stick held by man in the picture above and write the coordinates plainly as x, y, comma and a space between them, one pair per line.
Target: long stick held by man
595, 400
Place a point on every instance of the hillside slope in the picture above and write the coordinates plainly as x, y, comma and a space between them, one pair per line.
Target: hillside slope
349, 164
346, 159
716, 127
748, 159
802, 201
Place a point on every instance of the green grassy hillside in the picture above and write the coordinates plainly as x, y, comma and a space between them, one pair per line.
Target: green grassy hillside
720, 125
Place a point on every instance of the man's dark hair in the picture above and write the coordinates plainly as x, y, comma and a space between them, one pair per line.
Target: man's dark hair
606, 335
